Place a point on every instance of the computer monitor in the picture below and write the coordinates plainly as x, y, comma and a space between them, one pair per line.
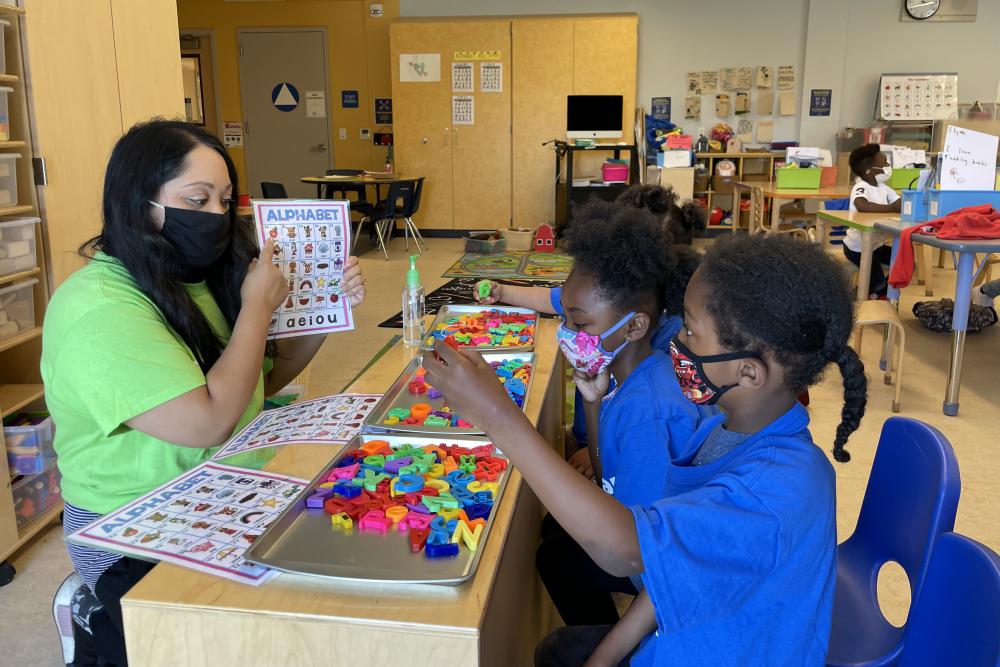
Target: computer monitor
594, 116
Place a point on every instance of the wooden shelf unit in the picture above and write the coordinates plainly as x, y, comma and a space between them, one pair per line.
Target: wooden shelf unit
20, 377
724, 199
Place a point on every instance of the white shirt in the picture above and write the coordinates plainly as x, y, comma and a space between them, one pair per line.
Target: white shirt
874, 194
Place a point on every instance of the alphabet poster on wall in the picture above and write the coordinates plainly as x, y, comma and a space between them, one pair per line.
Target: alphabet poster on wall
311, 241
463, 110
490, 77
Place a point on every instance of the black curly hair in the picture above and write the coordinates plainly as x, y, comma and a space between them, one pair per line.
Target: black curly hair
688, 261
626, 253
680, 222
778, 294
862, 158
685, 222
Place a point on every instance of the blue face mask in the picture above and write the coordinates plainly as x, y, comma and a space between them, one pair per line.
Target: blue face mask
586, 352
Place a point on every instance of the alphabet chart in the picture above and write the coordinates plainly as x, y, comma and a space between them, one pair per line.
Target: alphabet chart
205, 520
311, 243
332, 420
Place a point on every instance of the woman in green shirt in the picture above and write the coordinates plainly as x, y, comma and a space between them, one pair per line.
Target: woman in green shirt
156, 351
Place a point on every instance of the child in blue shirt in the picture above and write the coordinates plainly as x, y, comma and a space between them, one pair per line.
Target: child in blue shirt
611, 300
738, 556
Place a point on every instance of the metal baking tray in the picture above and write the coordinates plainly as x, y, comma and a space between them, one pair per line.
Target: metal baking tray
301, 539
399, 397
450, 310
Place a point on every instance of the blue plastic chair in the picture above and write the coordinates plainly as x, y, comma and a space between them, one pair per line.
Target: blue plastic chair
911, 498
956, 618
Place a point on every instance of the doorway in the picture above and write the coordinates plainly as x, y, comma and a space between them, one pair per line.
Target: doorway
198, 72
283, 88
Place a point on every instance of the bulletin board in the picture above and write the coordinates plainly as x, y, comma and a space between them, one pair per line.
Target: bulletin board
918, 96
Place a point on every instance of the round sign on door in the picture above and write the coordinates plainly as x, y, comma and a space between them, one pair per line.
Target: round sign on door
285, 97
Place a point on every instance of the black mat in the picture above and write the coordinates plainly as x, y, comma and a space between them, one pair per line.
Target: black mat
459, 291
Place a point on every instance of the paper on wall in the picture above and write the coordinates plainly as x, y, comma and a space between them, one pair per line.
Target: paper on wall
692, 107
765, 130
744, 130
907, 157
204, 520
742, 103
786, 103
462, 79
694, 84
727, 78
786, 77
722, 105
709, 81
491, 77
330, 420
315, 104
763, 103
463, 110
419, 67
311, 241
968, 160
765, 76
744, 78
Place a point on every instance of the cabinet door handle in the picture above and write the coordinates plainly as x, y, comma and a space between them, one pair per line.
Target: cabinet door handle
446, 136
456, 136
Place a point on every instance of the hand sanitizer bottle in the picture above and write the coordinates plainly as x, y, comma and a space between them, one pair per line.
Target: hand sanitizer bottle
413, 306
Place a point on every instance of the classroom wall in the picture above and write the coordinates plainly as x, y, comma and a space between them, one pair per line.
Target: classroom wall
841, 44
676, 36
358, 58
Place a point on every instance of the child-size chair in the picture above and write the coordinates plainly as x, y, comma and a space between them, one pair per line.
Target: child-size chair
883, 313
956, 618
758, 222
911, 498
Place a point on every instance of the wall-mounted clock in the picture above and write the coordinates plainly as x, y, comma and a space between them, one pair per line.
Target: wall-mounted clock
921, 9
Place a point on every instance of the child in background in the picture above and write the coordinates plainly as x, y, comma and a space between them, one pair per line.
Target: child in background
612, 300
680, 222
870, 194
738, 556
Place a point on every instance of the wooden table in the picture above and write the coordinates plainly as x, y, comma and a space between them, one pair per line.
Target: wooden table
176, 616
965, 252
363, 179
782, 196
864, 223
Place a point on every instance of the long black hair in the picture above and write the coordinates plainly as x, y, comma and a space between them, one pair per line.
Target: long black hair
146, 157
788, 296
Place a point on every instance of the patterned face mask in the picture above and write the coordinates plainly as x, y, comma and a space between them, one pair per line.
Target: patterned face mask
586, 352
690, 370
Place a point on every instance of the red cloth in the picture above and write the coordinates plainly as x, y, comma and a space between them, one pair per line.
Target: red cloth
971, 222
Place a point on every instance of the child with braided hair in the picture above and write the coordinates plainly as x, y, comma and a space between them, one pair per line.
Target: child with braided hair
737, 558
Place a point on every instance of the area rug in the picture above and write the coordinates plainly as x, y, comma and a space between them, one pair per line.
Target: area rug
459, 291
532, 266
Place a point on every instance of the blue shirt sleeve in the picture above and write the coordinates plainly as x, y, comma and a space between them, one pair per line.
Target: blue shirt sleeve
555, 298
642, 458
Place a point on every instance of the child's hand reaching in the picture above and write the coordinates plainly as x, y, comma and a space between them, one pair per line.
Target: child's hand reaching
487, 292
470, 386
593, 388
581, 462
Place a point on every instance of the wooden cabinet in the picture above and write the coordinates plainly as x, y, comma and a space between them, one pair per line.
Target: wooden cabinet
467, 167
496, 172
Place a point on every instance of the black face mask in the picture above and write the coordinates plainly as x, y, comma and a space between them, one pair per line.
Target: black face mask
200, 238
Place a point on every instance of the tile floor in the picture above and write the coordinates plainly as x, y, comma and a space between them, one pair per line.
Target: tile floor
28, 636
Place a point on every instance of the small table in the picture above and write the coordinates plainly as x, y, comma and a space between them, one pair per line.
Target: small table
782, 196
363, 179
864, 223
966, 251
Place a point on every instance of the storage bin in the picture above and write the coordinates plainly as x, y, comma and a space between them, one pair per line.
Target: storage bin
913, 208
722, 184
943, 202
17, 245
828, 177
797, 178
518, 238
614, 173
8, 164
903, 178
34, 494
482, 243
17, 308
5, 116
28, 439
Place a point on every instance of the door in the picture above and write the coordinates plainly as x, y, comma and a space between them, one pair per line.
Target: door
198, 67
286, 138
422, 119
481, 151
